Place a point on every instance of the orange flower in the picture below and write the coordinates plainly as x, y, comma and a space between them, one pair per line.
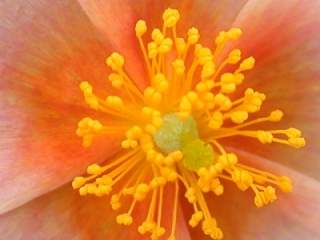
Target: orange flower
50, 48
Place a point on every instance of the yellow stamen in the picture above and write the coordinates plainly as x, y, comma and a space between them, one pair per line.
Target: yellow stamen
171, 130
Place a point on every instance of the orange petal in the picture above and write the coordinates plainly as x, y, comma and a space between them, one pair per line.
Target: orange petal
63, 214
283, 37
46, 50
293, 216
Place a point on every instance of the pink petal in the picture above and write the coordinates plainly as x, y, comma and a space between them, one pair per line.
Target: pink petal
46, 50
63, 214
293, 216
283, 36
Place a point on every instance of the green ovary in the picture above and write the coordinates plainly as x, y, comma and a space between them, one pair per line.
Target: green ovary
176, 134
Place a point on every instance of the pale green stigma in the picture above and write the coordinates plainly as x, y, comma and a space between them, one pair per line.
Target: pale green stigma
182, 135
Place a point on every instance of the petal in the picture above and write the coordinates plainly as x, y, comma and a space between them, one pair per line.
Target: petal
293, 216
282, 36
46, 50
63, 214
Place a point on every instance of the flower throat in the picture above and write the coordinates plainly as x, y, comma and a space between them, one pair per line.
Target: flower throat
172, 130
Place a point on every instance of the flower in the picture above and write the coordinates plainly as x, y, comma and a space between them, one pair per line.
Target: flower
40, 94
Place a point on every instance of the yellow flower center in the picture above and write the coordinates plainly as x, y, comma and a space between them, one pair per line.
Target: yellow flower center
171, 130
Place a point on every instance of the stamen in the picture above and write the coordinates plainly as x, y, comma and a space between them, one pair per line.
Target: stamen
171, 130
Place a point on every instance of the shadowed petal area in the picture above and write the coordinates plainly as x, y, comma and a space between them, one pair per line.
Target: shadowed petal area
293, 216
284, 39
63, 214
46, 50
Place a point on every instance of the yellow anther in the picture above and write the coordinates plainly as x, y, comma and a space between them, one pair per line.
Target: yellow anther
216, 120
104, 180
157, 182
247, 64
148, 92
242, 178
192, 96
203, 54
170, 17
147, 112
190, 195
160, 83
145, 227
185, 105
234, 56
124, 219
165, 46
227, 78
78, 182
276, 116
115, 61
181, 46
92, 188
157, 233
115, 202
114, 102
267, 196
151, 129
239, 116
136, 131
178, 66
193, 35
152, 50
141, 191
223, 101
157, 36
83, 191
221, 38
116, 80
264, 136
238, 78
209, 227
297, 142
208, 70
285, 184
293, 133
228, 88
141, 28
94, 169
168, 173
195, 219
228, 160
85, 87
176, 155
216, 187
201, 87
253, 100
103, 190
234, 33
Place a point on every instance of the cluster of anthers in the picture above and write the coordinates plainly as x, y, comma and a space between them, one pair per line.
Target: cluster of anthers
172, 128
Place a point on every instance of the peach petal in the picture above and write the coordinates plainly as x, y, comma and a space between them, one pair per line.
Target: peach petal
63, 214
46, 50
283, 38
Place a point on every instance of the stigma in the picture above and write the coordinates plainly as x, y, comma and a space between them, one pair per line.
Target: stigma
172, 130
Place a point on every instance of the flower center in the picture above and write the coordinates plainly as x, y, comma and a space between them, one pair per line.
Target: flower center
177, 134
172, 130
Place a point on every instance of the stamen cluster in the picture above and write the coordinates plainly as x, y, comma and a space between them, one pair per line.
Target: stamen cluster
189, 80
